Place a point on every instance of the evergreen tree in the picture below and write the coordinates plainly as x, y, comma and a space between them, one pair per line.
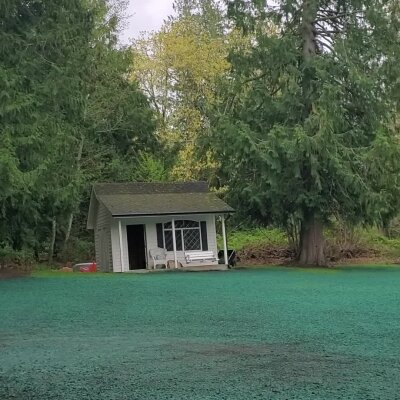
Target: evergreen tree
306, 133
68, 115
42, 59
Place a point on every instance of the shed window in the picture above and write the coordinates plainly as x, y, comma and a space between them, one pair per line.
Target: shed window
188, 235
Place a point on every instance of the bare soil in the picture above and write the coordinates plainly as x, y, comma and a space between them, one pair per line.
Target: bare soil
11, 274
13, 269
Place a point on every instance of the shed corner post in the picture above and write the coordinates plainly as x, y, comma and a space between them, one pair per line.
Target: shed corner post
121, 245
224, 240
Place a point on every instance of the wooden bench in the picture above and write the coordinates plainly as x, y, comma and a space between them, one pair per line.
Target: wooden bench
200, 257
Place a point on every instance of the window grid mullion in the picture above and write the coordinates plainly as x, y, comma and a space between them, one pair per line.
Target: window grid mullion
182, 230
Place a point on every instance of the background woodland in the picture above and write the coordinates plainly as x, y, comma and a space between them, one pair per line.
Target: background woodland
289, 110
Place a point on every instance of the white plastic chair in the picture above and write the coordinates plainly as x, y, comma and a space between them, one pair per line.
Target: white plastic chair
159, 257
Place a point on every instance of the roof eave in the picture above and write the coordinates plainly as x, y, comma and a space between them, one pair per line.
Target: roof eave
173, 213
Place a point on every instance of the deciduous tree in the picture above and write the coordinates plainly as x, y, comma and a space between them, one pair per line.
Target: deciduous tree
179, 68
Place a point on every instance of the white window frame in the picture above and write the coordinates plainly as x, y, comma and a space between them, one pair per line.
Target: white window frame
198, 228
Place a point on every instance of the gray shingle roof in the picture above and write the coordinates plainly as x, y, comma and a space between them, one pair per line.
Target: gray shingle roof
135, 199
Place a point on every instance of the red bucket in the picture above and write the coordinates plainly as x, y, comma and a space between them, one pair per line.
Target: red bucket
91, 268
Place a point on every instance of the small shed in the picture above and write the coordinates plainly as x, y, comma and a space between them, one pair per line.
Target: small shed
134, 221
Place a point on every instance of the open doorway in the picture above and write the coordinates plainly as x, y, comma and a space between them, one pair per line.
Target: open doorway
136, 247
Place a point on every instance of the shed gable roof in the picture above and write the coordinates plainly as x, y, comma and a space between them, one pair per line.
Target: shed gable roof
146, 199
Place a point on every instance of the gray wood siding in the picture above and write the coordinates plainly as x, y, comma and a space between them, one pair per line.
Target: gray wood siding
102, 237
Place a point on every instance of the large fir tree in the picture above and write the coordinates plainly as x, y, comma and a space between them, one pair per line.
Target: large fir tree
307, 130
68, 115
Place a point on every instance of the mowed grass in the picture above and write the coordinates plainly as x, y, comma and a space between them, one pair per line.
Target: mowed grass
276, 333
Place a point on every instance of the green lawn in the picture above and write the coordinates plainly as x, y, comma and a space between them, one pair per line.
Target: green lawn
277, 333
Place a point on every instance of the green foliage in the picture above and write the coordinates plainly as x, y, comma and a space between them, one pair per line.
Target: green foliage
43, 47
342, 242
16, 259
69, 116
304, 132
300, 121
150, 168
78, 249
178, 67
373, 238
240, 239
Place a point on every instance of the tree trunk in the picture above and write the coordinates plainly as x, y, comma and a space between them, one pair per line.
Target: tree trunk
312, 246
71, 216
311, 233
68, 232
52, 240
309, 17
308, 35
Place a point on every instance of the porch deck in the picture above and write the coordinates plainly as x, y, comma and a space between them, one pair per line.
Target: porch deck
193, 268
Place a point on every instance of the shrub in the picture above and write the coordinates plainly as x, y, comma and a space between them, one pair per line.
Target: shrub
342, 242
21, 260
77, 250
252, 237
